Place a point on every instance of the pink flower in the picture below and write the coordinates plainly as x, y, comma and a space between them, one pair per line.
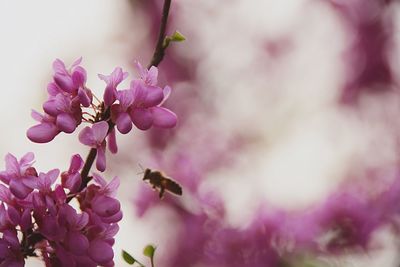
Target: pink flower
144, 98
146, 110
63, 112
104, 203
108, 189
95, 138
120, 112
141, 104
71, 179
18, 174
67, 112
112, 142
71, 82
101, 251
100, 200
44, 182
10, 254
45, 131
112, 80
163, 117
147, 76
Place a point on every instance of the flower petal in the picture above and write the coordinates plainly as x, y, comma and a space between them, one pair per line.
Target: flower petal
66, 122
100, 130
76, 62
31, 183
13, 215
105, 206
19, 189
59, 66
52, 175
111, 188
50, 107
42, 133
154, 96
36, 115
124, 123
64, 81
53, 89
101, 159
86, 136
142, 71
99, 179
26, 220
27, 159
77, 243
109, 95
139, 92
142, 118
62, 103
100, 251
113, 218
72, 181
112, 141
125, 98
85, 97
152, 74
76, 163
79, 76
12, 164
163, 117
5, 195
166, 92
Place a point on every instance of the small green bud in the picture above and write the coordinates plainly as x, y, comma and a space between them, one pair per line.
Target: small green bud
149, 251
177, 37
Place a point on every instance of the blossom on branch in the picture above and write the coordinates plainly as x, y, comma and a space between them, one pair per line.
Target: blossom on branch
95, 137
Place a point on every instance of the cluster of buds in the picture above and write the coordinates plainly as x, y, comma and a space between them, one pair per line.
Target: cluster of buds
36, 218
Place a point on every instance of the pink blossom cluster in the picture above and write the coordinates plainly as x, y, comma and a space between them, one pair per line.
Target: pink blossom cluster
63, 112
139, 105
36, 217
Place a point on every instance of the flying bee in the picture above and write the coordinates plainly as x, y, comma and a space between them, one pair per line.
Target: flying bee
158, 180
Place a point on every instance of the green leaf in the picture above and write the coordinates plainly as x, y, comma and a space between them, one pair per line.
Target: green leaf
149, 251
128, 258
177, 37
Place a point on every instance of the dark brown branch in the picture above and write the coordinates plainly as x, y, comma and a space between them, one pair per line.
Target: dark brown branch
159, 51
86, 168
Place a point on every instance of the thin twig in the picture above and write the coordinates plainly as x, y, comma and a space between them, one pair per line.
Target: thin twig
159, 51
